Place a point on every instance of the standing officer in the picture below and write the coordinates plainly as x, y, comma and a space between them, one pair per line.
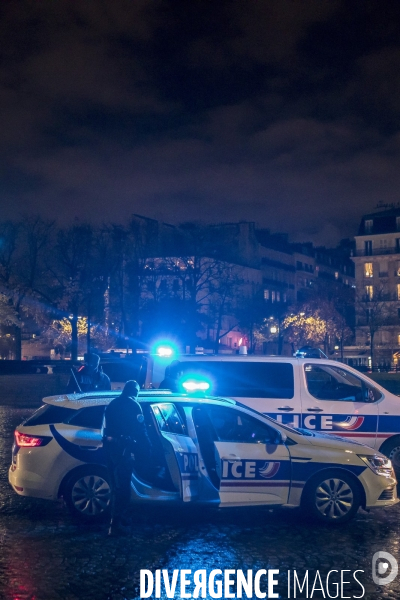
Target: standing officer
124, 435
171, 377
89, 377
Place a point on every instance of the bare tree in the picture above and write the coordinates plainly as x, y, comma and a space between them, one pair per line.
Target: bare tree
226, 290
374, 312
71, 272
22, 266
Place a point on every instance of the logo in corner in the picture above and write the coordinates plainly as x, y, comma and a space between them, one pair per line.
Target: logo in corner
380, 573
269, 469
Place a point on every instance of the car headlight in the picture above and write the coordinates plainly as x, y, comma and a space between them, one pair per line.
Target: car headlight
379, 464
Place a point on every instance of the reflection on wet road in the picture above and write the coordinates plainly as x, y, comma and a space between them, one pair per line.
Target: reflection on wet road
45, 555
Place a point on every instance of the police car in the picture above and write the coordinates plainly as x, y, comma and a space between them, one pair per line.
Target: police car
312, 393
208, 450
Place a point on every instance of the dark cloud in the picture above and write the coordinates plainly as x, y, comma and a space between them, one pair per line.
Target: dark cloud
282, 112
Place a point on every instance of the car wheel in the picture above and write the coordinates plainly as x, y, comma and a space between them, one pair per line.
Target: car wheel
391, 449
88, 495
332, 497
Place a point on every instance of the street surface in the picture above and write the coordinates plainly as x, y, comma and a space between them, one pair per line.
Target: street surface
45, 555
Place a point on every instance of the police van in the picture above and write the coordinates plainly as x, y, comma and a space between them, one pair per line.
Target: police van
316, 394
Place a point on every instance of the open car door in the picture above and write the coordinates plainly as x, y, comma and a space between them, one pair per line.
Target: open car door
251, 463
179, 449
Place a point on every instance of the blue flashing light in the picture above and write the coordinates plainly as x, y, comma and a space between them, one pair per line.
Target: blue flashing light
165, 349
195, 385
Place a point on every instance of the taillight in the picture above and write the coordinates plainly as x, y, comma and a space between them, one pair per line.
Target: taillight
23, 440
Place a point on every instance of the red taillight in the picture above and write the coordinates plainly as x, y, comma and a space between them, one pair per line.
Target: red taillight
28, 441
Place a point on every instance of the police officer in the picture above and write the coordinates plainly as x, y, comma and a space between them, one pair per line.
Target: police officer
89, 377
125, 441
171, 377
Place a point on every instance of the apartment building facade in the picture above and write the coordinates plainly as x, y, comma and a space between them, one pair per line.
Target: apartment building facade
291, 270
377, 269
263, 263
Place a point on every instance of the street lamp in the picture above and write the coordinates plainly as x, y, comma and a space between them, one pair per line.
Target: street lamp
275, 329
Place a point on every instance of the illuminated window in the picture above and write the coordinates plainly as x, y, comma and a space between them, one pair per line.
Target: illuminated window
336, 275
369, 291
398, 291
398, 339
368, 270
273, 295
266, 294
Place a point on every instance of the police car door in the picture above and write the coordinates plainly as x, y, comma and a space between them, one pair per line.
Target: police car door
179, 449
335, 400
252, 467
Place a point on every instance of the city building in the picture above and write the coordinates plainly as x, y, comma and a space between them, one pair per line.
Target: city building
377, 263
283, 272
291, 270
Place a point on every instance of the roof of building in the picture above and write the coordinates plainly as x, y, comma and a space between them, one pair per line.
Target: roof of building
384, 221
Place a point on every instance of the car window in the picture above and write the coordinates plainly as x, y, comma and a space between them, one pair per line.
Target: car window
168, 418
48, 414
234, 426
327, 382
91, 417
245, 379
124, 370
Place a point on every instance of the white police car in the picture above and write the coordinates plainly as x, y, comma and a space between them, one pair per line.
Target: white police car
313, 393
209, 450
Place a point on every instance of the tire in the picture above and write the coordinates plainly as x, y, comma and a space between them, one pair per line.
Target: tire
88, 495
332, 497
391, 449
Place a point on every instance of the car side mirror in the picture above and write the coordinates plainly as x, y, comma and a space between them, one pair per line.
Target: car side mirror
278, 439
366, 394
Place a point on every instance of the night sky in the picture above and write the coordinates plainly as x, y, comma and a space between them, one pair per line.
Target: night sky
282, 112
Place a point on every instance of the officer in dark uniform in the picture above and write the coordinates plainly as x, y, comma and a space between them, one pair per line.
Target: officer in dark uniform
171, 377
89, 377
126, 442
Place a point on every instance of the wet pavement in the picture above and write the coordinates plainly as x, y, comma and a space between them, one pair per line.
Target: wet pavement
46, 555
